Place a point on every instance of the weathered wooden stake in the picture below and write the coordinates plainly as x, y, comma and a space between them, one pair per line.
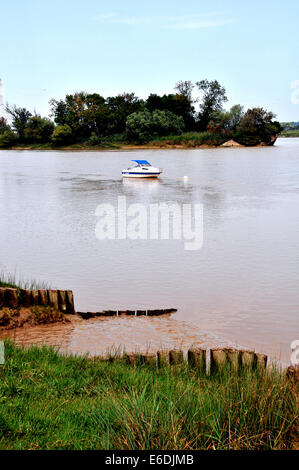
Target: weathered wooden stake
197, 358
35, 297
70, 307
163, 358
53, 298
140, 312
26, 298
149, 358
43, 297
12, 297
248, 360
261, 360
62, 301
233, 356
218, 360
130, 312
2, 296
132, 358
176, 357
150, 313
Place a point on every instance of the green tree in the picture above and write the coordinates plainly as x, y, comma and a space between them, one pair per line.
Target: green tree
178, 104
8, 139
143, 125
213, 95
96, 114
226, 122
38, 129
3, 125
185, 88
62, 135
165, 123
20, 117
71, 112
257, 126
120, 107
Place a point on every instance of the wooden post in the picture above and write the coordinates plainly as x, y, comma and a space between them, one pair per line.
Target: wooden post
233, 356
70, 306
176, 357
150, 313
12, 299
43, 297
35, 297
85, 315
218, 360
132, 358
261, 360
2, 296
149, 359
140, 312
53, 298
62, 301
248, 360
26, 298
197, 358
163, 358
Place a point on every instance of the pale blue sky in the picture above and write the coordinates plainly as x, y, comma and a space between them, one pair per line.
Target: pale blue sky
53, 47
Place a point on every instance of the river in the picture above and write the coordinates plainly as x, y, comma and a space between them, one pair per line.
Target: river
241, 287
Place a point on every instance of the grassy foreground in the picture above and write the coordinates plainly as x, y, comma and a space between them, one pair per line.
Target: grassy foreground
50, 401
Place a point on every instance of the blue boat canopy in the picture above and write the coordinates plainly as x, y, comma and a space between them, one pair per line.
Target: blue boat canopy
141, 162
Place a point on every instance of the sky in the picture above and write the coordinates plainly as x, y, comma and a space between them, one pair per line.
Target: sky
54, 47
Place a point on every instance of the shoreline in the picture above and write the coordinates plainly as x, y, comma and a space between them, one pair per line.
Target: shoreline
118, 146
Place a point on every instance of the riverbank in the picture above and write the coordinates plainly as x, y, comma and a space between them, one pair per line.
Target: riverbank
69, 402
187, 140
290, 133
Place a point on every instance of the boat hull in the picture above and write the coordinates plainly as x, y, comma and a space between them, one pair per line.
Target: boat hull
140, 175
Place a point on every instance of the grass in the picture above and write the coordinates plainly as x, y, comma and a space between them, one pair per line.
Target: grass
118, 141
294, 133
51, 401
191, 139
17, 282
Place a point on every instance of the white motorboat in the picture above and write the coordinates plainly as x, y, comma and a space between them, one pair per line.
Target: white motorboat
142, 169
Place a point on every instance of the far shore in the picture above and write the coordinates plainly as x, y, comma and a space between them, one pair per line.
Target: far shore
161, 145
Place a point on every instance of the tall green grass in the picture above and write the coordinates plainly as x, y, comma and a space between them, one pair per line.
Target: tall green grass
294, 133
191, 139
50, 401
18, 282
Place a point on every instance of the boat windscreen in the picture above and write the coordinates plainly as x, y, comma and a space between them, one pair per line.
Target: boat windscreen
141, 162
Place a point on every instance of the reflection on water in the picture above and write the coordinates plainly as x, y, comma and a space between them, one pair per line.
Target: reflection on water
242, 286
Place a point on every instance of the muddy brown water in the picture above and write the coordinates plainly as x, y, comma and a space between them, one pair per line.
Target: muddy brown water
240, 288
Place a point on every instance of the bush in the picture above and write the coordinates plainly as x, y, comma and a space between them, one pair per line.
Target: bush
143, 125
7, 139
246, 139
94, 139
38, 129
62, 135
257, 126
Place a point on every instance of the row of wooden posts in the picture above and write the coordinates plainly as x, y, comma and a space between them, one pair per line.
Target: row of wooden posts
62, 300
207, 360
136, 313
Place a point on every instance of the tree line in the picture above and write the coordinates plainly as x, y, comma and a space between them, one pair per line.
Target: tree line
91, 118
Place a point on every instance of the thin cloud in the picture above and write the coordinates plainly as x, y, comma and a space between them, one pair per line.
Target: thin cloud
195, 21
199, 24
